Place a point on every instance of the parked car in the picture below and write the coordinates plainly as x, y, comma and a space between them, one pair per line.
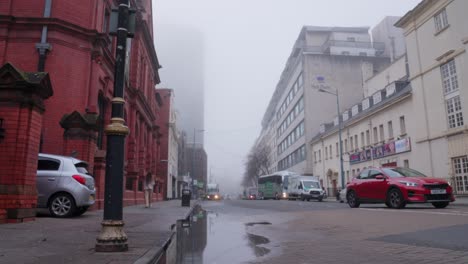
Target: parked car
64, 185
397, 187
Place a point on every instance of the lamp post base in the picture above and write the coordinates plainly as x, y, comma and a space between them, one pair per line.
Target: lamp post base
112, 237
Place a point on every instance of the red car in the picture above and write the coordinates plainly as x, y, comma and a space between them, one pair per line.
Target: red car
397, 187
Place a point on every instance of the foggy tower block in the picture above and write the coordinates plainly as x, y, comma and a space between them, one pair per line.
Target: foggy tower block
181, 53
391, 36
345, 57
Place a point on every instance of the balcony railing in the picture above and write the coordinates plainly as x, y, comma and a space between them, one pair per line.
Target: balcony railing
379, 47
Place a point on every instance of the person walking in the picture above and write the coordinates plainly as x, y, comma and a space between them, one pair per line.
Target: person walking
149, 186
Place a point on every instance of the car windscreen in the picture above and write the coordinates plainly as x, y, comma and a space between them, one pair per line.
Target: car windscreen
311, 184
285, 182
402, 172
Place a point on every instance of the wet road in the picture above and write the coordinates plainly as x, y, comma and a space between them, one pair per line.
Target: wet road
241, 231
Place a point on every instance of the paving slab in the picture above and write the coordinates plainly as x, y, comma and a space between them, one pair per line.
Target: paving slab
72, 240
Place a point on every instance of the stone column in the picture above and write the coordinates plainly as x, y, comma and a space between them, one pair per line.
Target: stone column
22, 96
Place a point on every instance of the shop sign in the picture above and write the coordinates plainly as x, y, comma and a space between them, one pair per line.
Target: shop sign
402, 145
388, 149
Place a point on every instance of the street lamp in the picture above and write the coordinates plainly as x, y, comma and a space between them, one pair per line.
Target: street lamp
322, 90
112, 237
193, 156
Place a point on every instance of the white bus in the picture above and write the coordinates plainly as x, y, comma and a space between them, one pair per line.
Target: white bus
275, 185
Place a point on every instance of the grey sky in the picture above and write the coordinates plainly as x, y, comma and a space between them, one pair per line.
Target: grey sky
246, 45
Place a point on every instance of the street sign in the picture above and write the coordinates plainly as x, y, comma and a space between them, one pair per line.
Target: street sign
200, 184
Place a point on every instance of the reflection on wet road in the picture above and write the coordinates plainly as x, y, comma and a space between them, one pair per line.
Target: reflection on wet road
211, 237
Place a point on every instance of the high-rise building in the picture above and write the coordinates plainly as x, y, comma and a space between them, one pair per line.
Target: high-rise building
183, 58
385, 32
341, 57
183, 71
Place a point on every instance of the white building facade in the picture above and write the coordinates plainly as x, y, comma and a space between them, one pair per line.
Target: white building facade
413, 113
436, 38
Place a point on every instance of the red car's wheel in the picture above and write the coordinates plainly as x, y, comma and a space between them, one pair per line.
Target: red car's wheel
395, 199
352, 199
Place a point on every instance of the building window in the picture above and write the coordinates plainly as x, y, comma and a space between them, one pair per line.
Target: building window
406, 163
346, 145
347, 175
440, 20
367, 137
356, 144
315, 156
351, 143
105, 23
345, 53
390, 129
129, 183
140, 185
326, 153
331, 152
449, 77
320, 155
363, 54
363, 143
337, 150
454, 112
376, 136
460, 166
402, 125
382, 135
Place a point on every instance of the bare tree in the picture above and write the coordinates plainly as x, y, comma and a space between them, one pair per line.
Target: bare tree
257, 163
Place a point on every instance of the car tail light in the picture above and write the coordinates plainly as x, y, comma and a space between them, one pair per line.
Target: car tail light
80, 179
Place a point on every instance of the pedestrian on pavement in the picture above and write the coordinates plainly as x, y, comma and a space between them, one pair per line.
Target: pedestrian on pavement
149, 186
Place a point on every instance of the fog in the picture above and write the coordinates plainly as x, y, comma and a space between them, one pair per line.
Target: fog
244, 47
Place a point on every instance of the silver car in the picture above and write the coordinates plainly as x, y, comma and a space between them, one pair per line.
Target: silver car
64, 185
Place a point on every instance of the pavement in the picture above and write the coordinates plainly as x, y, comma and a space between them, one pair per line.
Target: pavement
72, 240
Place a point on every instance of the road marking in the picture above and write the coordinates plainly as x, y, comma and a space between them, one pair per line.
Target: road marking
456, 213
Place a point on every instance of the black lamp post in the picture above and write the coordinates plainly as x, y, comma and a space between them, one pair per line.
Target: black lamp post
112, 237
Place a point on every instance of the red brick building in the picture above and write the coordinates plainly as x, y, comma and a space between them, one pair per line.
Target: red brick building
69, 40
168, 164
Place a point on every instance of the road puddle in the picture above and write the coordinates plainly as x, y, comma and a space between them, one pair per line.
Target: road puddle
207, 237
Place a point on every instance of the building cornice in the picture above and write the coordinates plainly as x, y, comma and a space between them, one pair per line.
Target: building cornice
148, 39
442, 59
445, 134
391, 102
410, 20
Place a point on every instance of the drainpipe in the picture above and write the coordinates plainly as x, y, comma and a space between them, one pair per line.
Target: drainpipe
43, 46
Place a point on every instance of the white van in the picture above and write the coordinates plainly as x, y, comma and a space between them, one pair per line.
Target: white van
305, 188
